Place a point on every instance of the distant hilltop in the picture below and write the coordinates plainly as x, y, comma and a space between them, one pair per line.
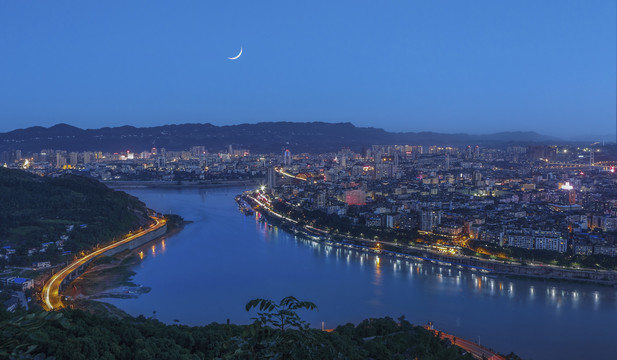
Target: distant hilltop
261, 137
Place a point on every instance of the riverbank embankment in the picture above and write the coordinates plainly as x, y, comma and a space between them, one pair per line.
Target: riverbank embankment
111, 276
52, 300
548, 272
128, 245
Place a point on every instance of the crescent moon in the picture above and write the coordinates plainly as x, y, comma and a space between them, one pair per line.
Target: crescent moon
237, 56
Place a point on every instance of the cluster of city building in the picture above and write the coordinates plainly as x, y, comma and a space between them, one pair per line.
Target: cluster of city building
561, 199
193, 166
539, 197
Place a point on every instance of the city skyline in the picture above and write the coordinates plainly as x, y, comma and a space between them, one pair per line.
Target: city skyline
329, 180
476, 68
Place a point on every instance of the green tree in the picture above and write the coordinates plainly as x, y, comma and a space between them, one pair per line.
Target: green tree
282, 315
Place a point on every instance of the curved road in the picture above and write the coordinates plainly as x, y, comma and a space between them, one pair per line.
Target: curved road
476, 350
51, 290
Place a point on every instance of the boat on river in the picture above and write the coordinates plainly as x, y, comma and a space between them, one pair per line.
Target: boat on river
244, 207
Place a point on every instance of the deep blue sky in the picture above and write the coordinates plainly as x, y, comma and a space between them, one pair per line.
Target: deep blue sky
405, 65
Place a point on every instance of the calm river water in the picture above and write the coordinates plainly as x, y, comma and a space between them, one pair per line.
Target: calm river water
212, 268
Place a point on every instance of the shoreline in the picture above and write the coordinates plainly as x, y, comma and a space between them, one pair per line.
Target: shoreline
96, 305
139, 184
547, 273
51, 293
112, 278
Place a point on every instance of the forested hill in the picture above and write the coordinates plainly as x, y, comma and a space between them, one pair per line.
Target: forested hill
76, 335
38, 210
261, 137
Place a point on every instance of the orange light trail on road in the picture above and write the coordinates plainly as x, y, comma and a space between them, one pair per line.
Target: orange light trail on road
51, 289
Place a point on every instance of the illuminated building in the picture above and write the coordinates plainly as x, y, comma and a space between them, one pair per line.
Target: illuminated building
355, 197
271, 178
287, 158
429, 219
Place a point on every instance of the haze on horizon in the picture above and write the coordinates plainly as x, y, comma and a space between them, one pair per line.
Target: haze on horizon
445, 66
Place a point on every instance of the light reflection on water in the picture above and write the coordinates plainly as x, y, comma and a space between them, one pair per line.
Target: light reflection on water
208, 272
483, 284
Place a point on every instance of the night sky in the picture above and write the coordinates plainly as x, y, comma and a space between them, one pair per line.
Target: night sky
406, 65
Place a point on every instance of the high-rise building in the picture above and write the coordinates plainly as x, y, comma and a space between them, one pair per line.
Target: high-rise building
468, 152
60, 160
378, 157
271, 178
161, 163
287, 158
321, 199
542, 152
383, 171
198, 150
43, 155
73, 158
429, 218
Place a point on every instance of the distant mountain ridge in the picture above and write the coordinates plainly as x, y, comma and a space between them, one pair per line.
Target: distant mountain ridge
259, 137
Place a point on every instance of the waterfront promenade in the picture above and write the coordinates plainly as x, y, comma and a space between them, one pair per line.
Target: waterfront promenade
52, 300
604, 277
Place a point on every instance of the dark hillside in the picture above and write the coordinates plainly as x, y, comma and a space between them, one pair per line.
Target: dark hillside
36, 210
76, 335
261, 137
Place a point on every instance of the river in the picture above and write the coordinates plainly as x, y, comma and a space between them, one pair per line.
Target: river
215, 265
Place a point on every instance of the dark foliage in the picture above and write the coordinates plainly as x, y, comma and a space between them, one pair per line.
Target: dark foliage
36, 210
73, 334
